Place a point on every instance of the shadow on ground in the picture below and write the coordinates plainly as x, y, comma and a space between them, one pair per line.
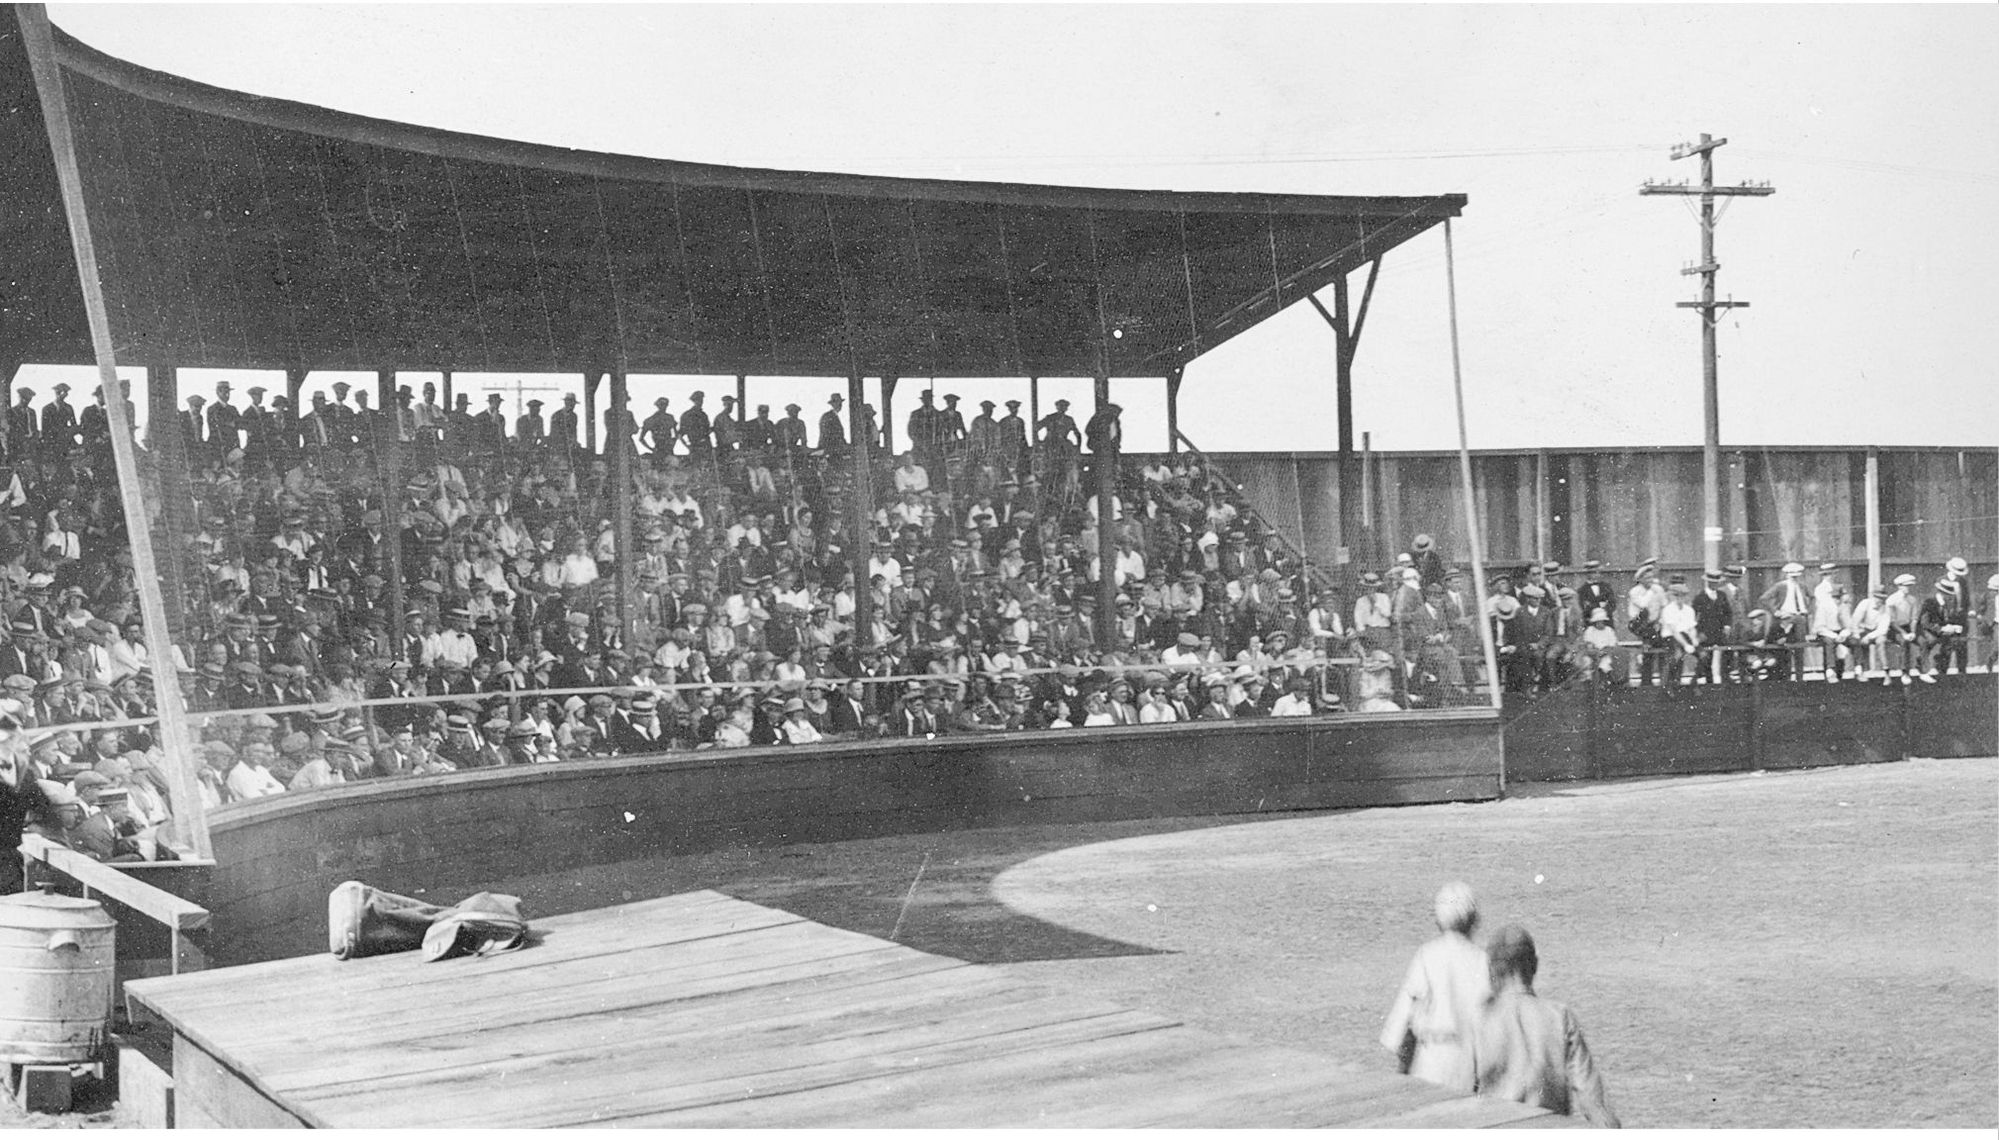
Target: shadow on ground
929, 892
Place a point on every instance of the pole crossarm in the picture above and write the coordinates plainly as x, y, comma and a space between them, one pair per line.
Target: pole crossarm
1746, 190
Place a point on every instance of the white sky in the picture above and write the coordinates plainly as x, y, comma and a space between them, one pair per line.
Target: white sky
1870, 272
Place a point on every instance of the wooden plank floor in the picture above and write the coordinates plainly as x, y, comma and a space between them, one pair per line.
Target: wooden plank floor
701, 1010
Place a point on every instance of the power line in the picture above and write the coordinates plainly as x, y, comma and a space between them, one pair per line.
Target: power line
1871, 166
989, 159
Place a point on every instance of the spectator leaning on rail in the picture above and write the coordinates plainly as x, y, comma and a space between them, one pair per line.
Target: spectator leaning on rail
1901, 610
1714, 623
1868, 631
1790, 610
1941, 625
1831, 624
1645, 606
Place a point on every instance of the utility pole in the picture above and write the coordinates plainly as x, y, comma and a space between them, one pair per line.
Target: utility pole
1707, 191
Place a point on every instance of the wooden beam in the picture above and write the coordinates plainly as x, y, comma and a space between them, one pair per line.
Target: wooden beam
590, 382
1366, 302
1349, 475
288, 427
1343, 348
888, 416
1033, 418
1104, 463
169, 910
619, 440
173, 505
861, 508
1873, 517
7, 371
387, 450
190, 820
1173, 411
1541, 511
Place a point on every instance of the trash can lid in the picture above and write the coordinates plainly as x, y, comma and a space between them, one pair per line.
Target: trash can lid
46, 910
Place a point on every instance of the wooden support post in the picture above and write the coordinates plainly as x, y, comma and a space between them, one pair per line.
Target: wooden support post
861, 509
190, 820
1033, 410
1541, 511
1347, 323
162, 419
1105, 464
445, 386
385, 393
1365, 515
7, 371
1173, 411
888, 416
294, 392
590, 382
1874, 517
387, 450
742, 400
619, 440
173, 499
1348, 473
1736, 513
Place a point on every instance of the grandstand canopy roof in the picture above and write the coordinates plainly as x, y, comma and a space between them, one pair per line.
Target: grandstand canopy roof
235, 230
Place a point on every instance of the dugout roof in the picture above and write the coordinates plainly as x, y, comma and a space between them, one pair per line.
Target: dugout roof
235, 230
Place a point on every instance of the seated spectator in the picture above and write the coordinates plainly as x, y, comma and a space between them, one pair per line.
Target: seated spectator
250, 778
1376, 692
1296, 701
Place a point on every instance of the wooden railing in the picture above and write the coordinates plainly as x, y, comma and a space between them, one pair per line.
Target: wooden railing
184, 921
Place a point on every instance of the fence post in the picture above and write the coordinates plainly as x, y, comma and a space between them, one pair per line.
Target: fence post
1756, 745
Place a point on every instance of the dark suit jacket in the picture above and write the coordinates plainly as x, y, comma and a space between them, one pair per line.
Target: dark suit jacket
844, 714
1939, 612
1712, 617
1419, 627
627, 738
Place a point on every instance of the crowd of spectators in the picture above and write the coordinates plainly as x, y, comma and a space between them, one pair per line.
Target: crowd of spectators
741, 623
1550, 632
742, 613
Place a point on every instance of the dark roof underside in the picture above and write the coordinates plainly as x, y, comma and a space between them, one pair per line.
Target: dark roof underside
238, 231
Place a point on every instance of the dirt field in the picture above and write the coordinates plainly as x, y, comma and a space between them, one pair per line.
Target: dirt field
1802, 949
1799, 949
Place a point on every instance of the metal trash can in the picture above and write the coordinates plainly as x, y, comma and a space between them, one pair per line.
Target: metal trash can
56, 978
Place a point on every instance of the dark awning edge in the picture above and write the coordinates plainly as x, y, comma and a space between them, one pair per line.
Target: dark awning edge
241, 231
286, 114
